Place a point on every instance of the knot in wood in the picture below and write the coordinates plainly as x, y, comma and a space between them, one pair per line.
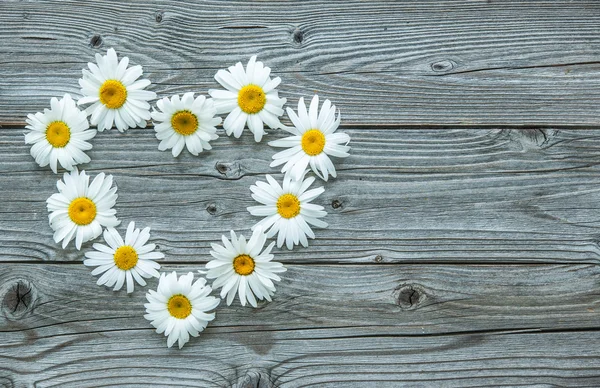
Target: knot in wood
158, 16
211, 209
408, 296
336, 204
298, 36
229, 170
442, 66
96, 41
18, 299
255, 380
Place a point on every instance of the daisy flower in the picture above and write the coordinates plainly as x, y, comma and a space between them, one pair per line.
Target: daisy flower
59, 135
185, 123
314, 141
250, 98
115, 94
79, 210
124, 260
240, 266
179, 308
287, 210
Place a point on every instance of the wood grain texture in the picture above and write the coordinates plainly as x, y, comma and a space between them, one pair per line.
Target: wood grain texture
383, 63
452, 196
328, 325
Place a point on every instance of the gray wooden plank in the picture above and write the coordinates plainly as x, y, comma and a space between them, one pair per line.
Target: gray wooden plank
451, 196
429, 325
382, 62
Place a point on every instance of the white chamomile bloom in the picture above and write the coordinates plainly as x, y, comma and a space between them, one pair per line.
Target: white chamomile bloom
240, 266
79, 210
179, 308
59, 135
115, 94
250, 98
127, 260
287, 210
313, 141
185, 122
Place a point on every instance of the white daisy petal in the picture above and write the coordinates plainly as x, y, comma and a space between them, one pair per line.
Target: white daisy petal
235, 265
316, 141
287, 210
250, 98
80, 215
179, 308
53, 135
179, 123
116, 97
123, 257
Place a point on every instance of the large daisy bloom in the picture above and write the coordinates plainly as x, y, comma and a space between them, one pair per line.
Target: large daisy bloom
287, 210
185, 122
59, 135
313, 141
124, 260
114, 93
179, 308
79, 210
240, 266
250, 98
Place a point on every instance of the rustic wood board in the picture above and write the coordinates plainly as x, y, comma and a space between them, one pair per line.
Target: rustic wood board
383, 62
328, 325
464, 234
451, 196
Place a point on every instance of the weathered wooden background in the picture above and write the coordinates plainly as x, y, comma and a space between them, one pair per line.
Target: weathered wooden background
464, 232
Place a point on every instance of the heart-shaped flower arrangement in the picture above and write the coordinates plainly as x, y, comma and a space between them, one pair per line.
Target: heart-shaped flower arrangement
82, 211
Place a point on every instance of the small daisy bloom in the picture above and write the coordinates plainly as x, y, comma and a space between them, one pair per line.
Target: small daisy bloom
124, 260
240, 266
185, 122
287, 210
79, 210
59, 135
313, 141
114, 93
250, 98
179, 308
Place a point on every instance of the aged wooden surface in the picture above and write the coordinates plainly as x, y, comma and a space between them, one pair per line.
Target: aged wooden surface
464, 232
386, 63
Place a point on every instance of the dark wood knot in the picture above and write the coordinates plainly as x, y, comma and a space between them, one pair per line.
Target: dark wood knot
255, 380
211, 209
409, 296
298, 36
96, 41
158, 16
442, 66
336, 204
18, 300
229, 170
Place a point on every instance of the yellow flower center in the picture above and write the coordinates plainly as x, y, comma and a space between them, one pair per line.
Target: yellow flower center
313, 142
125, 257
179, 306
288, 206
58, 134
113, 94
243, 265
252, 99
184, 122
82, 211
